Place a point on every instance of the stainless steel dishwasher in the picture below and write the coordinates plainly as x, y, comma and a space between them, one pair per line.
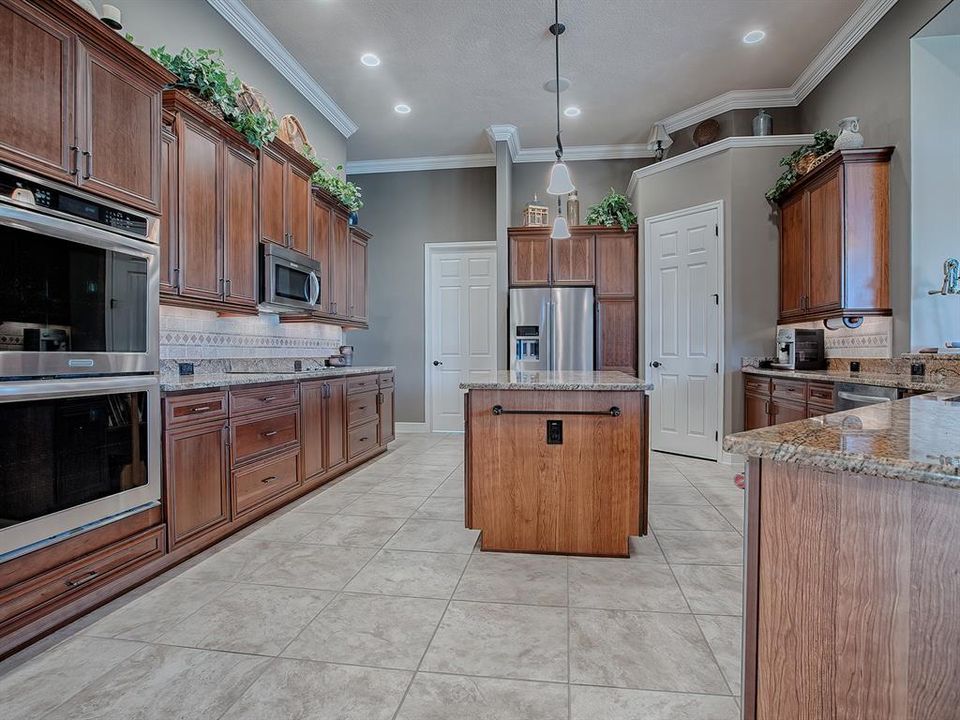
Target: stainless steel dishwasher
855, 395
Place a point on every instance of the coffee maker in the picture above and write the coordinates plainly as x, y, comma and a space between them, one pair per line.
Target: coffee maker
799, 349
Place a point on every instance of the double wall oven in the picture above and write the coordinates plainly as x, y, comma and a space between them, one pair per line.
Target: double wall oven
79, 362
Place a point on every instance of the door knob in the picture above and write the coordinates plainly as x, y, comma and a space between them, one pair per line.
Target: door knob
437, 362
655, 364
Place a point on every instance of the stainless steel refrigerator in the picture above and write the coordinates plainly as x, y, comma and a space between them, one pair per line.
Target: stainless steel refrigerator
551, 328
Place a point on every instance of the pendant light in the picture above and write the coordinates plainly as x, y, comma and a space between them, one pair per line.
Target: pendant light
561, 231
560, 182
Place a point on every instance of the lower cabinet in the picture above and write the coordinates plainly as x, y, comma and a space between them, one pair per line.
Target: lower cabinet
323, 442
386, 408
259, 482
775, 401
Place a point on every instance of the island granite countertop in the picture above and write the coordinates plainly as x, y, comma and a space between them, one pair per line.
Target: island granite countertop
578, 380
915, 439
170, 382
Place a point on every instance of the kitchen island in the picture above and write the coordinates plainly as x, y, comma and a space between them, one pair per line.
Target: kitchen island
556, 461
852, 605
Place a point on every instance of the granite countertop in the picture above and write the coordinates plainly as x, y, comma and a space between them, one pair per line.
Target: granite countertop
170, 382
913, 439
924, 383
560, 380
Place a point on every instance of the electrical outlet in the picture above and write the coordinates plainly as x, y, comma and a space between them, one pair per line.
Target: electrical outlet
918, 369
185, 368
298, 365
854, 366
554, 432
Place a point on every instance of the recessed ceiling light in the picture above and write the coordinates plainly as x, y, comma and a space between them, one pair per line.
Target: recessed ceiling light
572, 111
402, 108
370, 60
754, 36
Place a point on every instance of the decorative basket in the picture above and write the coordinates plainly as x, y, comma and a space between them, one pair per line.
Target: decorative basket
805, 163
252, 100
535, 216
209, 105
293, 134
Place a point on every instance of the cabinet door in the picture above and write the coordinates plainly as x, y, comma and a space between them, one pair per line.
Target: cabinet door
169, 197
616, 265
826, 244
387, 430
321, 222
195, 480
273, 227
340, 265
358, 279
617, 335
201, 245
37, 92
573, 260
335, 415
119, 130
299, 201
240, 195
785, 412
312, 428
530, 259
793, 256
755, 411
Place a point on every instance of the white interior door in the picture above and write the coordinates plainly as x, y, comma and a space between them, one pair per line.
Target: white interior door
683, 331
461, 326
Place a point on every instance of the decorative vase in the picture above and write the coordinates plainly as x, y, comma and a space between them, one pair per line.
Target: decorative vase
573, 209
849, 137
762, 124
354, 217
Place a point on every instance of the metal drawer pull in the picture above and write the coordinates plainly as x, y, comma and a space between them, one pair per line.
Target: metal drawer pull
201, 408
270, 433
612, 412
82, 580
269, 479
364, 438
268, 398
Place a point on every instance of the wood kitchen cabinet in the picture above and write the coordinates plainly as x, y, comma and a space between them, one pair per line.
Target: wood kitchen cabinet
322, 412
340, 266
285, 199
774, 401
572, 260
386, 408
834, 239
321, 240
93, 101
529, 250
169, 195
357, 280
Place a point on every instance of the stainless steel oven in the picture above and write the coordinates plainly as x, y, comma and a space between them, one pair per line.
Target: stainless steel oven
290, 281
79, 282
75, 453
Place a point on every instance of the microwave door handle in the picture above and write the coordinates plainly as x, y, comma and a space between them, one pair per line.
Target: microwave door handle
314, 288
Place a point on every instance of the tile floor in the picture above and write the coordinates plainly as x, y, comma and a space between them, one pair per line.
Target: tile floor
367, 600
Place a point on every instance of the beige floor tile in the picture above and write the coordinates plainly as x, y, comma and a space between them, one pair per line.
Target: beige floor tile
408, 485
398, 506
712, 589
676, 495
419, 470
434, 536
699, 547
653, 651
316, 567
723, 634
624, 585
442, 697
236, 560
327, 504
290, 527
687, 517
441, 508
451, 487
646, 549
354, 531
733, 514
507, 641
722, 495
304, 690
596, 703
415, 574
372, 630
510, 578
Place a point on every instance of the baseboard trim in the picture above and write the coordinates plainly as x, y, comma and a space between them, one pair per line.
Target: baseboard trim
411, 427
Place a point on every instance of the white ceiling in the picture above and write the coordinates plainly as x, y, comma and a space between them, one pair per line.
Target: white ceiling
463, 65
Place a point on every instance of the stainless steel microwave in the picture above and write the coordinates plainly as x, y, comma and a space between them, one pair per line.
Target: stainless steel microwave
290, 281
79, 282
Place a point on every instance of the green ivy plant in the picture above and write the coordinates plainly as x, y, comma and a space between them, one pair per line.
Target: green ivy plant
335, 184
822, 144
203, 72
614, 209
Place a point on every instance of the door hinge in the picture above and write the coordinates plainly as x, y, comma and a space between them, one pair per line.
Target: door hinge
716, 435
716, 299
716, 368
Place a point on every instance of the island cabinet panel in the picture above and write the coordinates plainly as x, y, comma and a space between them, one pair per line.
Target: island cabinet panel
573, 260
580, 496
853, 596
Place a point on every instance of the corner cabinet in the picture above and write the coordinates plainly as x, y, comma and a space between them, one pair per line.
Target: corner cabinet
80, 105
834, 239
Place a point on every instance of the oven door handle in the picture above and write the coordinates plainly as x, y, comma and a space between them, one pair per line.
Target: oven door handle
314, 293
17, 391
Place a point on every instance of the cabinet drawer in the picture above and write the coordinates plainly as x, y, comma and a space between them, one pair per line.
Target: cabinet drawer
194, 408
362, 440
360, 384
78, 576
820, 395
259, 435
795, 390
255, 484
386, 380
361, 408
248, 400
756, 385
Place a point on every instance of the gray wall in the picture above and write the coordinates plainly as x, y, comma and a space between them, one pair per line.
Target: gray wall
873, 82
404, 211
194, 24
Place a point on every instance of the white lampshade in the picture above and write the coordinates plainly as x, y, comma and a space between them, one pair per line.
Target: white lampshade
561, 231
560, 182
659, 134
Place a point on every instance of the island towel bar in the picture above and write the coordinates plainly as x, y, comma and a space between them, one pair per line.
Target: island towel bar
612, 412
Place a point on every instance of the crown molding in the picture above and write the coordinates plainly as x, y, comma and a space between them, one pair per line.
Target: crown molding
508, 134
586, 152
265, 42
714, 148
413, 164
733, 100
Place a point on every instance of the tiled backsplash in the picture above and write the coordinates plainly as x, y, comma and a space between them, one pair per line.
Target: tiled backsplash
873, 339
188, 334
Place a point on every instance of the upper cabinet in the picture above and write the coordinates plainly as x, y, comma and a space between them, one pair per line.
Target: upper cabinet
572, 259
358, 276
80, 104
285, 197
834, 239
529, 250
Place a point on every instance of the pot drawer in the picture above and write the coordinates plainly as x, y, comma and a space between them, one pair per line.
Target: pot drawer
194, 408
256, 436
249, 400
361, 408
795, 390
820, 394
386, 380
756, 385
361, 383
362, 440
255, 484
79, 576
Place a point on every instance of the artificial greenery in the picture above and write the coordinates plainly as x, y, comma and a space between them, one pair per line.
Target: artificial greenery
341, 188
822, 144
203, 72
614, 209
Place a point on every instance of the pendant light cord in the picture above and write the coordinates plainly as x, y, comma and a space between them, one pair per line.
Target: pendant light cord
556, 27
